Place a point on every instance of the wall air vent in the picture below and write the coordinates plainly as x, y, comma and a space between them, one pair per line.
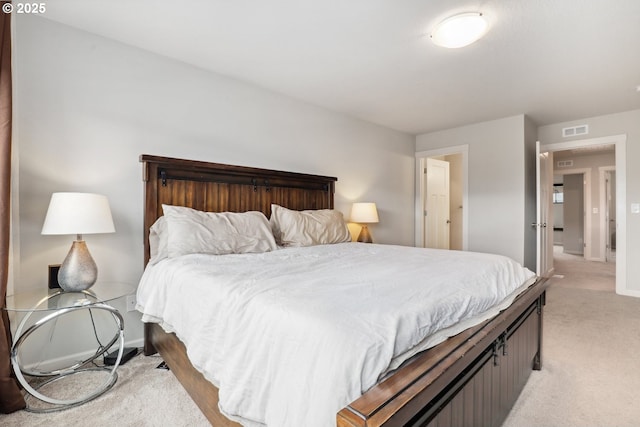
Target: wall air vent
565, 163
575, 131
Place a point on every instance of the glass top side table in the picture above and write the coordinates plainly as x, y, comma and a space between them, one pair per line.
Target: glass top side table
34, 300
52, 304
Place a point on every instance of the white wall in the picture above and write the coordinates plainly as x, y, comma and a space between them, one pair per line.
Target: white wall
496, 183
627, 123
87, 107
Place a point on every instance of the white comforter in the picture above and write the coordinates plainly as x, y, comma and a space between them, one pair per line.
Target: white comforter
292, 336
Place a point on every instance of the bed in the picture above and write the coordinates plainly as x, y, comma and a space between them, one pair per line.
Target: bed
471, 378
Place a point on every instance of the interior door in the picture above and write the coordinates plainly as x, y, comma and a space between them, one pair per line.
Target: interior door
544, 236
436, 208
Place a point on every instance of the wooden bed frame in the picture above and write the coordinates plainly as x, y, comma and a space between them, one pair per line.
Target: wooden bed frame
471, 379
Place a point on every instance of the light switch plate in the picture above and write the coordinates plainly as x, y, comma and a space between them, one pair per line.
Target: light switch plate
635, 208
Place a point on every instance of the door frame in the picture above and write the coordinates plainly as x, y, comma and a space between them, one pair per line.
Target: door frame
421, 157
619, 141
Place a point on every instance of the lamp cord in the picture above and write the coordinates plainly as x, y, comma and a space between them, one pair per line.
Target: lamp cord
101, 347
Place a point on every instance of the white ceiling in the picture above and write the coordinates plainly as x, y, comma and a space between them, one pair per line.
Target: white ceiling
554, 60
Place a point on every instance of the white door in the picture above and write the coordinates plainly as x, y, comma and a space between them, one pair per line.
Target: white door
544, 236
436, 209
610, 194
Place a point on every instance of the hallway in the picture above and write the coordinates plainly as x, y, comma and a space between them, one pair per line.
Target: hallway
572, 271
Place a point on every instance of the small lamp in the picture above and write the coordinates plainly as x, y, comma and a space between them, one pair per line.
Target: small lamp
78, 213
363, 214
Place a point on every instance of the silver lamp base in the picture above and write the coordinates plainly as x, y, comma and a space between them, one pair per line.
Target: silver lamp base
78, 270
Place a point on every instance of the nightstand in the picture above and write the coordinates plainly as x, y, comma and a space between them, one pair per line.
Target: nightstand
42, 310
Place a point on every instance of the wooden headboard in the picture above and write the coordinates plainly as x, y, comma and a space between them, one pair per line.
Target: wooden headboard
215, 187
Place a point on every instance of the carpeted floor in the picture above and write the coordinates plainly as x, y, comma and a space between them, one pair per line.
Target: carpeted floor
577, 273
590, 375
591, 359
142, 396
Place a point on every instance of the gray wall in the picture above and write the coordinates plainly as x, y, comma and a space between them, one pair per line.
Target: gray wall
87, 107
497, 184
573, 214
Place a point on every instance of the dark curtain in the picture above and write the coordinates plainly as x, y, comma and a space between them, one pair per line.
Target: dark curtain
10, 397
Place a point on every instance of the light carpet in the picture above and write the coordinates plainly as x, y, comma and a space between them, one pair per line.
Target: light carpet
142, 396
591, 352
590, 374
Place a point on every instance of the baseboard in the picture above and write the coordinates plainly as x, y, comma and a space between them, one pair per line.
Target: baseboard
629, 293
71, 359
574, 253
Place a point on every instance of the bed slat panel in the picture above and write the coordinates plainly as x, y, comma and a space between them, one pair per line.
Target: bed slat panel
435, 370
223, 197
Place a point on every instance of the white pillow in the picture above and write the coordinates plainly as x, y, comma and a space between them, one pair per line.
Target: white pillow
308, 228
158, 241
192, 231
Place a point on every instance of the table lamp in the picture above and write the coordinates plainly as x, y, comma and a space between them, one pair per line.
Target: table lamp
363, 214
78, 213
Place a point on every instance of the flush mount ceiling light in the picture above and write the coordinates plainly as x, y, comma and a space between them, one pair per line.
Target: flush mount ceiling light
459, 30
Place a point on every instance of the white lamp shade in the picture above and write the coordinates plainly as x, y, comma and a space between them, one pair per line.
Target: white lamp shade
78, 213
459, 30
364, 213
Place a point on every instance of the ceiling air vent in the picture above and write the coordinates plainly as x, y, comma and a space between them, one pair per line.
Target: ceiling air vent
575, 131
565, 163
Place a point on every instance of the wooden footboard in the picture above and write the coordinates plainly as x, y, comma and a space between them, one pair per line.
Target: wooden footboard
473, 378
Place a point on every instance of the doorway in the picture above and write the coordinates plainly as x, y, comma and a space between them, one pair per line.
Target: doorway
445, 222
619, 144
571, 207
437, 203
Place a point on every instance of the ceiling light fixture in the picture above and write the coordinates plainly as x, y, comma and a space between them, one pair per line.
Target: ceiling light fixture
460, 30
